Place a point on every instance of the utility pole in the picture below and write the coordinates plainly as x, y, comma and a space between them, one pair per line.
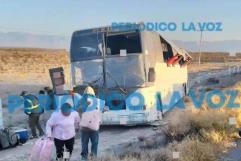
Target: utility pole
200, 51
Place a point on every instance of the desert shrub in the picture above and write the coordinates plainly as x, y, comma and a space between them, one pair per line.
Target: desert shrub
178, 126
213, 126
142, 155
191, 149
197, 136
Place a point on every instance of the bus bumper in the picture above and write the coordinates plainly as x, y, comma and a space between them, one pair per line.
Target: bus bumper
124, 117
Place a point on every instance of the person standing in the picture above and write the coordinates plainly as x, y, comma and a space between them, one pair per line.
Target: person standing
33, 109
61, 128
87, 133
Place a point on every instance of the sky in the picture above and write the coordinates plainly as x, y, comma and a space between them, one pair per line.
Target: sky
62, 17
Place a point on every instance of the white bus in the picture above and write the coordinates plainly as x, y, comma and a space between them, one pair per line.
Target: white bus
135, 72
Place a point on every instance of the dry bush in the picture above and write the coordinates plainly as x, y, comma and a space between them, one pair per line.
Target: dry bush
191, 149
211, 56
154, 155
236, 112
198, 136
216, 121
179, 125
204, 134
141, 155
213, 126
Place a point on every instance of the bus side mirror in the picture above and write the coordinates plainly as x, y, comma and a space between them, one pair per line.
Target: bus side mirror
151, 75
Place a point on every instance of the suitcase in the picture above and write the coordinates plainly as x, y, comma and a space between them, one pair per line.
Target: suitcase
91, 120
12, 137
4, 143
8, 138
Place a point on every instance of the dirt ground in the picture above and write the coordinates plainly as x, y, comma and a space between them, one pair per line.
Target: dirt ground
112, 139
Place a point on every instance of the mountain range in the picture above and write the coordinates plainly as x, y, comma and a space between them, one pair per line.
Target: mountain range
22, 39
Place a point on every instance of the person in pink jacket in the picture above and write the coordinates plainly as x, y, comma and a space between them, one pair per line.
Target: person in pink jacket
61, 127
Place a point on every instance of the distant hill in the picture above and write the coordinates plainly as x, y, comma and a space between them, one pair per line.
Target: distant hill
20, 39
211, 46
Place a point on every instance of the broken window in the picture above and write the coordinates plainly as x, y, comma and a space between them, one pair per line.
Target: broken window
129, 42
167, 49
164, 47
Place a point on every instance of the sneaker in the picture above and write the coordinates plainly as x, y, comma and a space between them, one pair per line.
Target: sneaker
66, 160
33, 137
92, 156
84, 159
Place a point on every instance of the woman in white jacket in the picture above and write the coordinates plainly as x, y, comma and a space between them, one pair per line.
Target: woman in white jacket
61, 127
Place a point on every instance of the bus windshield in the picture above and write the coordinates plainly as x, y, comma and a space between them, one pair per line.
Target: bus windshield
86, 45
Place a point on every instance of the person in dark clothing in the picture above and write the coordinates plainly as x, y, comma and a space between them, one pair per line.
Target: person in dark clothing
51, 103
60, 144
41, 92
33, 110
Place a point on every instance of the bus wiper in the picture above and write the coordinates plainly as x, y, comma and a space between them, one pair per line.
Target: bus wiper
92, 82
117, 84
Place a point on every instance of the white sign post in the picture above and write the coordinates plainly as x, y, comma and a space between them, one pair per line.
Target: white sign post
1, 115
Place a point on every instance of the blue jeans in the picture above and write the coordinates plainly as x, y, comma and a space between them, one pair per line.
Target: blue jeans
93, 136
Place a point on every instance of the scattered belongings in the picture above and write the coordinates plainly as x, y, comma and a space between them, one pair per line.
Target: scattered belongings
8, 138
42, 150
23, 135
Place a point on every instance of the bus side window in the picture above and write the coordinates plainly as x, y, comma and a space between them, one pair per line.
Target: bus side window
130, 42
167, 50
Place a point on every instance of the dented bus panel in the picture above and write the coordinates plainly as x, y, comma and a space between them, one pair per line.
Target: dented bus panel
134, 71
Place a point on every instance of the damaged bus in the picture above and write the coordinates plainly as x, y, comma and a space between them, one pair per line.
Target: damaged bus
134, 71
